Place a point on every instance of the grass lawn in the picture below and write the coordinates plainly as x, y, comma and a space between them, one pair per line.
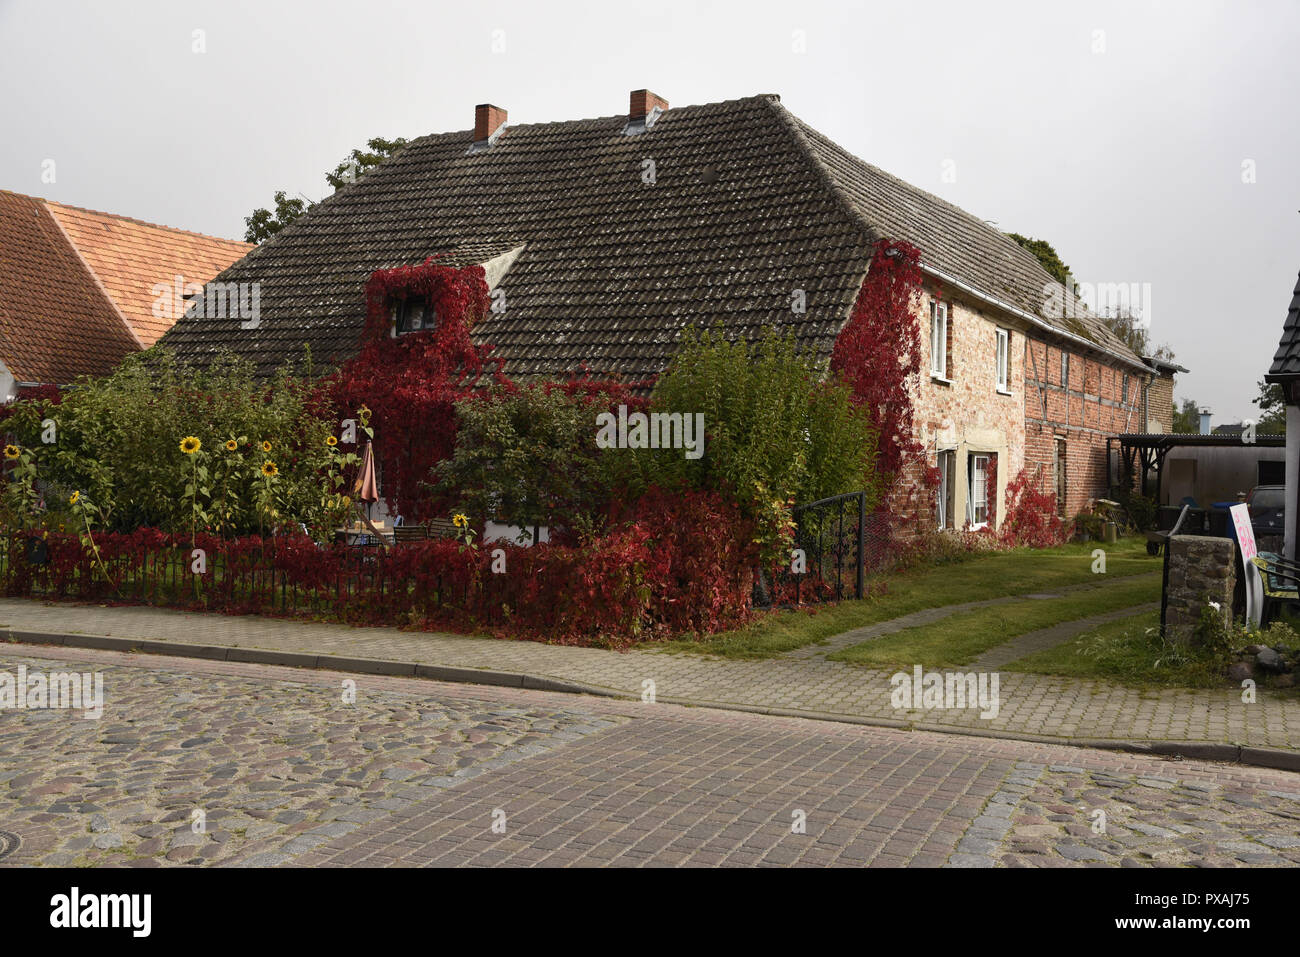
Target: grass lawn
959, 638
1017, 572
1127, 651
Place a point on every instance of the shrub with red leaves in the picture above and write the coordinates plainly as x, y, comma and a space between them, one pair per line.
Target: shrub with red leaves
1031, 514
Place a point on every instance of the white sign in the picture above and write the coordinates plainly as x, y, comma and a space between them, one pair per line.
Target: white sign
1245, 531
1246, 545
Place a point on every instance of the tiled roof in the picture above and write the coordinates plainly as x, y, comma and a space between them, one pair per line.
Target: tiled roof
54, 323
1286, 361
76, 286
747, 205
130, 257
954, 242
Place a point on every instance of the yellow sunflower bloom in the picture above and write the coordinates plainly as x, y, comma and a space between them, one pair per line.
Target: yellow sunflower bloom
266, 446
72, 500
231, 445
270, 469
12, 451
460, 520
331, 441
190, 445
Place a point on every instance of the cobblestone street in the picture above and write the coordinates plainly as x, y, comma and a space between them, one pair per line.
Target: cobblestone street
200, 763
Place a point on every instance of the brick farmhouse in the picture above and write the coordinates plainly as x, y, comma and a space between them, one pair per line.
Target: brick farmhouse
607, 237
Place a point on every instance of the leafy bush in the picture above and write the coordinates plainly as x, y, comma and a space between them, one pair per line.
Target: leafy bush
777, 432
262, 459
528, 456
670, 564
1031, 518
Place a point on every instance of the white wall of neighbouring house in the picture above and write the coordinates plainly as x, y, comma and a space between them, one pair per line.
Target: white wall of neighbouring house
1292, 479
497, 532
8, 384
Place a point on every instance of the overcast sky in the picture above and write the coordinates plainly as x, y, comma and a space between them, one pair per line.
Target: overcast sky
1122, 133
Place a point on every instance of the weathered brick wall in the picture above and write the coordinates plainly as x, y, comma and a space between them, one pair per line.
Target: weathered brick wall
968, 414
1083, 411
1160, 404
1201, 569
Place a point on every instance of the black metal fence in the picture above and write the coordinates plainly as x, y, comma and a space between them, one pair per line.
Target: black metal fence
837, 544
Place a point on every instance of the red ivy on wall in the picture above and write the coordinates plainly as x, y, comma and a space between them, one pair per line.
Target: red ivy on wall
411, 382
879, 352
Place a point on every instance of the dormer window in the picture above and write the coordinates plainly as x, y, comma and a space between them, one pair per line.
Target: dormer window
411, 315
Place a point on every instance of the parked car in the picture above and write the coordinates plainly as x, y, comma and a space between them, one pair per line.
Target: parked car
1267, 507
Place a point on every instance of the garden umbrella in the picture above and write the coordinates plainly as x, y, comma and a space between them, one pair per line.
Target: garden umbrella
365, 488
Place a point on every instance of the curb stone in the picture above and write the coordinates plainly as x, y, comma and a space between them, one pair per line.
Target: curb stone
1275, 758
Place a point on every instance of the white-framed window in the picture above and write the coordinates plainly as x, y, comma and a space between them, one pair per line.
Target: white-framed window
1124, 394
939, 339
1003, 358
1065, 369
977, 511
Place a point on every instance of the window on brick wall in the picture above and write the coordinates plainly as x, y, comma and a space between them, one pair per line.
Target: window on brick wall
939, 339
977, 502
947, 478
1123, 395
1065, 369
1003, 358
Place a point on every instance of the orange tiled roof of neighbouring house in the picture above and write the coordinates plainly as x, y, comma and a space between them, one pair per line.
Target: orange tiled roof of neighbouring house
76, 286
130, 257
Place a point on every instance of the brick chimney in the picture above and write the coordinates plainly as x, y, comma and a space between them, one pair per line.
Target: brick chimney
487, 120
643, 102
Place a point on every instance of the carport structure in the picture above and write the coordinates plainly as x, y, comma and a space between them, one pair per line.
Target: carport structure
1150, 449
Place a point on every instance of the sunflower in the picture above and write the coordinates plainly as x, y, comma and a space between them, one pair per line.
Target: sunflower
266, 446
269, 469
12, 451
231, 445
331, 441
72, 500
460, 520
190, 445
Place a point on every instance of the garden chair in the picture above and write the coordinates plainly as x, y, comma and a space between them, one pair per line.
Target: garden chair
409, 533
1276, 582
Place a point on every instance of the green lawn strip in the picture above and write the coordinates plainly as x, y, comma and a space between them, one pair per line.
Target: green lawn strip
973, 578
1127, 651
958, 639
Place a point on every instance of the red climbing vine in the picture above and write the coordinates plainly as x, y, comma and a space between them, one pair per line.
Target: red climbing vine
879, 352
412, 381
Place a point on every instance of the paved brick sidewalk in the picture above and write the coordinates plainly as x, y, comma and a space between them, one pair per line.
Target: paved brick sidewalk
1032, 706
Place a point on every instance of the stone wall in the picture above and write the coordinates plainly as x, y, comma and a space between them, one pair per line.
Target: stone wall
1201, 568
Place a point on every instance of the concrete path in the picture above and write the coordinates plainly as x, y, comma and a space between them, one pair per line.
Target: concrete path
1034, 707
1043, 638
928, 616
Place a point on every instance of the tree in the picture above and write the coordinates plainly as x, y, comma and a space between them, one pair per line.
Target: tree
359, 163
1272, 409
1130, 329
1187, 419
1047, 255
263, 223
